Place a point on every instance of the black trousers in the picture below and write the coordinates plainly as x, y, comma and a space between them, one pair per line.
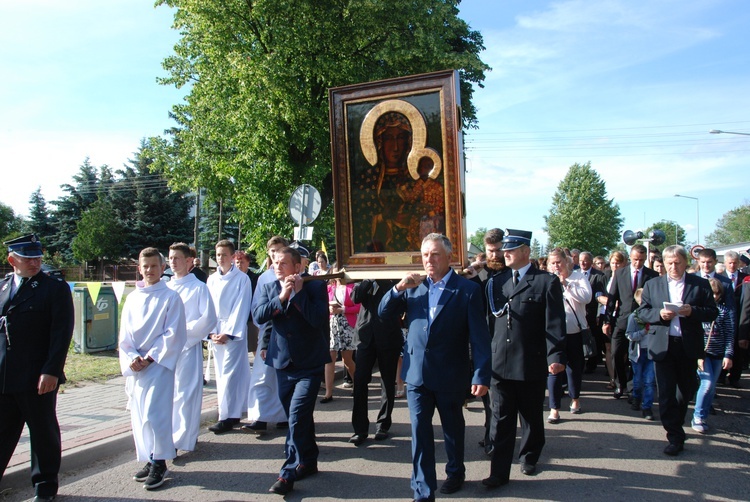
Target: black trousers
511, 398
620, 345
40, 414
676, 382
387, 360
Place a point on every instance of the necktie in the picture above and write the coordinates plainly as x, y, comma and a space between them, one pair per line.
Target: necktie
515, 278
635, 280
732, 278
20, 285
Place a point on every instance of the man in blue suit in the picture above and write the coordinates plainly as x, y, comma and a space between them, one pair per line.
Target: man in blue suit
297, 347
446, 314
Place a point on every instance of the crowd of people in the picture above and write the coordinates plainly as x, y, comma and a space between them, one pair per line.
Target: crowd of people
507, 329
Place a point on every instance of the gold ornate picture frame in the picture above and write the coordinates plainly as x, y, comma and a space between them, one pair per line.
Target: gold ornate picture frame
398, 172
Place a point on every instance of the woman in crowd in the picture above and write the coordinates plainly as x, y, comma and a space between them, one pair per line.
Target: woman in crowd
719, 347
321, 264
658, 265
343, 317
576, 294
616, 260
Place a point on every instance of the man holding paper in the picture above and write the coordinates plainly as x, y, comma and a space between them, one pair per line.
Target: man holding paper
676, 305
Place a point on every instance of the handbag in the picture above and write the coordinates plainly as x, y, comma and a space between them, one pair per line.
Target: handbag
589, 344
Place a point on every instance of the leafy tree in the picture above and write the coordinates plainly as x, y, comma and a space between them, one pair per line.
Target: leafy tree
582, 216
151, 212
255, 124
99, 235
9, 221
477, 238
70, 207
10, 227
732, 227
670, 229
39, 222
536, 249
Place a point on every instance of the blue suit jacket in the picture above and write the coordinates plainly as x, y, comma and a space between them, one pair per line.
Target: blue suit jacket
436, 355
299, 333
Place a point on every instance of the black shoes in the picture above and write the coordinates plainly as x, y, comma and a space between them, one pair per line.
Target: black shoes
40, 498
281, 487
156, 475
358, 439
635, 405
648, 414
452, 484
304, 471
141, 475
494, 482
326, 400
618, 393
672, 449
381, 434
282, 425
255, 427
528, 469
223, 426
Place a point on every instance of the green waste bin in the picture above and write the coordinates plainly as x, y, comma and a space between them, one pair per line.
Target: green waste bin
96, 324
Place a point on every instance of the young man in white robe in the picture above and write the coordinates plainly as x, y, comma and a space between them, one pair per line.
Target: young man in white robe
152, 335
200, 318
263, 403
232, 295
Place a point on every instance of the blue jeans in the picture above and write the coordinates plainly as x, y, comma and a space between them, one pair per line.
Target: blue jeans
643, 380
298, 391
707, 389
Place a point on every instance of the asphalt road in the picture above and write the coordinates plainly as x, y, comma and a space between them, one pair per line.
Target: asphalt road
607, 453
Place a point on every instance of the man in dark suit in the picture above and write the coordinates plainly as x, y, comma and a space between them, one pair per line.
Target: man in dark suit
36, 327
626, 280
676, 305
737, 277
297, 347
707, 262
528, 343
598, 282
380, 340
446, 315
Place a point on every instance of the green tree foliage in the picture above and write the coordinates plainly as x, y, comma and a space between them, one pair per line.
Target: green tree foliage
582, 216
732, 227
670, 229
9, 222
477, 238
151, 212
99, 235
536, 249
39, 222
70, 208
255, 124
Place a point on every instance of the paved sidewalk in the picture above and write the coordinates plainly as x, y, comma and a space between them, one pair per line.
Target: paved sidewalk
93, 423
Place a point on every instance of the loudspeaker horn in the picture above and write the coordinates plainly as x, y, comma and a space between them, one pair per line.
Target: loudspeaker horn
657, 237
629, 237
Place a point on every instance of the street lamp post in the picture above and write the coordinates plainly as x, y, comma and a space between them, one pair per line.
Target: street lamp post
697, 213
717, 131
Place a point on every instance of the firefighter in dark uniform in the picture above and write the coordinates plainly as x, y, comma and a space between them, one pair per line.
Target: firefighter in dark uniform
36, 325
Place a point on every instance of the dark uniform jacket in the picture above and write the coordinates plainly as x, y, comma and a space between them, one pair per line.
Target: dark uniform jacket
38, 329
621, 290
536, 336
371, 329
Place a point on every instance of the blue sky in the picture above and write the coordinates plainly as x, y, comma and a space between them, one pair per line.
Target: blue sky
633, 87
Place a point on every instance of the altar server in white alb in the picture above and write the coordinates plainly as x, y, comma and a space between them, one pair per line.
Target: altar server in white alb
152, 335
232, 294
200, 318
263, 403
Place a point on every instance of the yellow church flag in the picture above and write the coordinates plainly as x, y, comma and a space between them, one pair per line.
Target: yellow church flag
323, 247
94, 288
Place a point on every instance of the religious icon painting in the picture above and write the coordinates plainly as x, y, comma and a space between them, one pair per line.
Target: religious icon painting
398, 175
